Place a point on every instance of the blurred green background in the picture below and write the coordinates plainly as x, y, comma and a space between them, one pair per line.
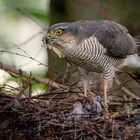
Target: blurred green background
22, 23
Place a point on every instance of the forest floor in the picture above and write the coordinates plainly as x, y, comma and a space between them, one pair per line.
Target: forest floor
64, 115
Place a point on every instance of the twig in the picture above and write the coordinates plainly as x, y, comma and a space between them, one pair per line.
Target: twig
25, 14
31, 38
9, 105
29, 57
126, 90
21, 73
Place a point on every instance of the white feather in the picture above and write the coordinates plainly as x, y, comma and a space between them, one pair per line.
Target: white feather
131, 64
132, 61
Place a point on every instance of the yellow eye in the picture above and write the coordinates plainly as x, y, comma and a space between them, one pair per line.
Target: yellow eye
59, 32
48, 34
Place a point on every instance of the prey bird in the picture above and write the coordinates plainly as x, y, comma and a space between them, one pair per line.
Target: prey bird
94, 46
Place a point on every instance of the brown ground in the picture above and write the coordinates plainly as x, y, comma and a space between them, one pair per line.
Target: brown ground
49, 117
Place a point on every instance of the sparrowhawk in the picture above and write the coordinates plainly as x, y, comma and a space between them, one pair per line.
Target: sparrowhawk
98, 46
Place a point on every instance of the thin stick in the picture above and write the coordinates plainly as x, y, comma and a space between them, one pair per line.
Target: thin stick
21, 73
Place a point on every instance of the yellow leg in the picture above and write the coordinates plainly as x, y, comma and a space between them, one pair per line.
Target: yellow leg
105, 91
85, 87
83, 74
105, 95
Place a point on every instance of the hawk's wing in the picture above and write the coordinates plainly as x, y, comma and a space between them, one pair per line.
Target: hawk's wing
113, 36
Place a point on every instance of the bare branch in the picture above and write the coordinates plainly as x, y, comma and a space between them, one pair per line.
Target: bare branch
29, 57
128, 92
21, 73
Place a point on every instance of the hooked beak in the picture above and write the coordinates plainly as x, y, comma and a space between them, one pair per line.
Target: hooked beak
51, 43
46, 40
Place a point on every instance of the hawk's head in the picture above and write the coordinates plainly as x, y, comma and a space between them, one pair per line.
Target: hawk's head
66, 35
61, 35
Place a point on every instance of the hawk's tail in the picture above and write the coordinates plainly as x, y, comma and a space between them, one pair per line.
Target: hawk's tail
131, 65
132, 62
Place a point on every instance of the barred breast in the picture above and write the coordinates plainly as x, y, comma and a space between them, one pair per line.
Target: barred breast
91, 55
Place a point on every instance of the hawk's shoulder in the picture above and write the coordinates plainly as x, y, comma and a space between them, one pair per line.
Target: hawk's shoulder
113, 36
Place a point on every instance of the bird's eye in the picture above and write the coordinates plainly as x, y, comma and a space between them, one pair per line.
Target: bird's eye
48, 34
59, 32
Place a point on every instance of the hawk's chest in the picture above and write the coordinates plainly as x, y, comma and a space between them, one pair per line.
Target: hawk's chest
86, 58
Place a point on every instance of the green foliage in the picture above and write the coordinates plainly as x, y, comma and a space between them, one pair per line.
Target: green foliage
17, 9
13, 109
21, 81
39, 14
